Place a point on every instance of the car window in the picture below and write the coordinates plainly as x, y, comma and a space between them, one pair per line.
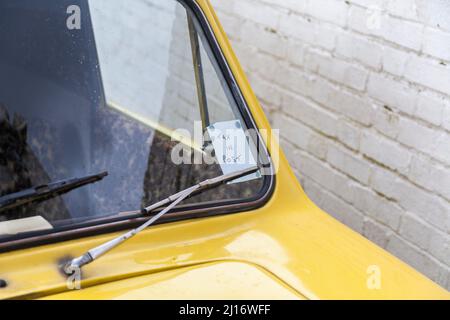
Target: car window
108, 85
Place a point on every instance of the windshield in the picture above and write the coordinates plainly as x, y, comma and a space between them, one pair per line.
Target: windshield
110, 86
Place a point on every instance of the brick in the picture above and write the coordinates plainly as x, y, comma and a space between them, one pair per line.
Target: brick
441, 147
258, 12
416, 258
404, 33
368, 3
376, 207
292, 5
247, 55
341, 101
428, 73
434, 13
401, 32
359, 21
416, 231
307, 31
318, 146
394, 60
269, 94
439, 246
349, 163
360, 49
290, 151
403, 8
296, 52
433, 209
323, 174
328, 10
388, 183
310, 113
226, 7
325, 36
430, 175
336, 70
416, 135
264, 39
297, 27
291, 78
446, 117
434, 142
312, 189
437, 43
268, 67
292, 130
386, 121
288, 148
301, 136
349, 133
393, 93
376, 232
385, 151
431, 108
232, 25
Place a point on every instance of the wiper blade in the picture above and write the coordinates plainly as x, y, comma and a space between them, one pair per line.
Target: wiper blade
91, 255
47, 191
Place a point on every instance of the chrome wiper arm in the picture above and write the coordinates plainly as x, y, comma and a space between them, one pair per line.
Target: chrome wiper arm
47, 191
93, 254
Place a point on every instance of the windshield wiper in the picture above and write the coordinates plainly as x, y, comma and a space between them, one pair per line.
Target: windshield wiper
91, 255
47, 191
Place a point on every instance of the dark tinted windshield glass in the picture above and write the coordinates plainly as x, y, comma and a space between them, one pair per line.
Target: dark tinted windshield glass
87, 87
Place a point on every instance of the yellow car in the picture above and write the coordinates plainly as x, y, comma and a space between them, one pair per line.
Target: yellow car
136, 115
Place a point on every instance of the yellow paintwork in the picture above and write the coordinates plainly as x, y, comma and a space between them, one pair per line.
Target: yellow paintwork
288, 248
226, 280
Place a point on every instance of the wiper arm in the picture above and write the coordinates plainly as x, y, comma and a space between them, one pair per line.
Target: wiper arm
93, 254
47, 191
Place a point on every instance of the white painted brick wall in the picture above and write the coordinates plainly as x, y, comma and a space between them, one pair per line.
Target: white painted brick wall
361, 92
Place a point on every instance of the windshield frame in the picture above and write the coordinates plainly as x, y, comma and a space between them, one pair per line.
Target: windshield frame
181, 212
